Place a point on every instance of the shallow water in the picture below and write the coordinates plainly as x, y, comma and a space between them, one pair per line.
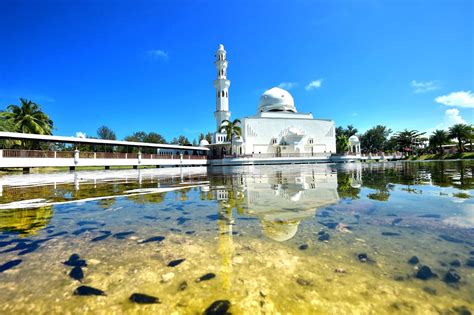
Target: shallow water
299, 239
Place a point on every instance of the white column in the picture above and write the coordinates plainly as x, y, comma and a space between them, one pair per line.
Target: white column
76, 156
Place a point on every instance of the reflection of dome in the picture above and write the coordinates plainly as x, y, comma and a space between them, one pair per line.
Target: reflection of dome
354, 139
276, 100
238, 140
203, 142
280, 230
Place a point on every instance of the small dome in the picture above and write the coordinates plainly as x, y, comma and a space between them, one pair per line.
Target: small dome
203, 142
354, 139
238, 140
280, 231
276, 100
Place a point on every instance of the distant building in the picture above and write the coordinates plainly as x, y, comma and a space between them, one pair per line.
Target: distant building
277, 129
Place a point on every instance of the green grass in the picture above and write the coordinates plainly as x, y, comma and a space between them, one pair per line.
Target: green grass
445, 156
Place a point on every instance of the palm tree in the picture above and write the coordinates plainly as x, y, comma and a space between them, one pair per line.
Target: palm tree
438, 138
231, 129
342, 144
28, 118
408, 139
460, 132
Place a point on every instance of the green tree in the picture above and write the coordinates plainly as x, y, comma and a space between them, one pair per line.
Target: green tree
375, 139
106, 133
342, 143
208, 137
438, 138
462, 133
408, 140
28, 118
231, 129
181, 140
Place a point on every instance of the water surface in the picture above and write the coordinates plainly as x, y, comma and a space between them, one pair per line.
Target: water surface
292, 239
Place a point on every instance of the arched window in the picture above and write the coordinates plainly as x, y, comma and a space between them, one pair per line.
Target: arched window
222, 93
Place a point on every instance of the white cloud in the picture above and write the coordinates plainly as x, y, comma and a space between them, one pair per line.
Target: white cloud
158, 54
423, 87
287, 85
80, 135
316, 84
451, 117
459, 99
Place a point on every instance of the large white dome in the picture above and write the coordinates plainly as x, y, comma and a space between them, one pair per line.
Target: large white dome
276, 100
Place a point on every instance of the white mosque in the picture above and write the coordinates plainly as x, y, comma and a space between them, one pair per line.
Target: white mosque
277, 129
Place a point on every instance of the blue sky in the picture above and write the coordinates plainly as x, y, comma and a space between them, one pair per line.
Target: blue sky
148, 65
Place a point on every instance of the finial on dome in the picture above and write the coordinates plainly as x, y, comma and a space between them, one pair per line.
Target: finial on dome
221, 47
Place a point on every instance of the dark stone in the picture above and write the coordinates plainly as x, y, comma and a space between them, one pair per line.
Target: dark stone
183, 286
76, 273
74, 257
122, 235
413, 260
470, 262
321, 232
303, 247
141, 298
471, 252
150, 217
324, 237
153, 239
462, 310
219, 307
451, 277
429, 290
83, 230
182, 220
76, 263
105, 235
396, 221
85, 222
19, 246
398, 278
85, 290
3, 244
207, 276
425, 273
303, 282
176, 262
212, 217
58, 234
390, 234
190, 232
329, 225
391, 215
31, 248
455, 263
10, 264
363, 257
450, 239
323, 214
430, 216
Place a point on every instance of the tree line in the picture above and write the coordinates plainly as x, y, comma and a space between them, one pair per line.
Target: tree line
28, 117
381, 139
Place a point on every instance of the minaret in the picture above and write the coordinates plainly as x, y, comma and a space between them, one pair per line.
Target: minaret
222, 87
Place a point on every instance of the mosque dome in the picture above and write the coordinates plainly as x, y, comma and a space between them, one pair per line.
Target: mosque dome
203, 142
354, 139
276, 100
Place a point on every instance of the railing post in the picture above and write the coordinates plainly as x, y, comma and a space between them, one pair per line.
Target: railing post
126, 155
139, 157
55, 153
1, 154
76, 156
95, 155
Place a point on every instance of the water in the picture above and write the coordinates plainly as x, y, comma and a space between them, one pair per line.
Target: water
292, 239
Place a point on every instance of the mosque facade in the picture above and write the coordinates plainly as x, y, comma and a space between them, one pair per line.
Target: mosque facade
276, 130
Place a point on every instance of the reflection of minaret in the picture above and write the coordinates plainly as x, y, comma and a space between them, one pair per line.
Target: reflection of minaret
221, 85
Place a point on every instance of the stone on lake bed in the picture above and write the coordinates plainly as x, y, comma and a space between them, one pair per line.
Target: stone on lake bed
141, 298
219, 307
362, 257
455, 263
413, 260
153, 239
470, 262
76, 273
303, 282
324, 237
76, 263
183, 286
451, 277
85, 290
176, 262
425, 273
450, 239
303, 247
390, 234
167, 277
207, 276
10, 264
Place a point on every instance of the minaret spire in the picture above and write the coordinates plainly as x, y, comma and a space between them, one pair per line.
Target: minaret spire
221, 85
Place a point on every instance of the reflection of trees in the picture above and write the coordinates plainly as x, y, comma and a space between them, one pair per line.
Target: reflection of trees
148, 198
344, 186
106, 203
378, 181
25, 221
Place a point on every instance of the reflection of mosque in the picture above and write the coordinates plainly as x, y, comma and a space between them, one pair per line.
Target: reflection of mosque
280, 198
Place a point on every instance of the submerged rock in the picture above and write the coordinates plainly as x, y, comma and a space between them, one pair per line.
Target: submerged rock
413, 260
455, 263
451, 277
390, 234
430, 216
183, 286
105, 235
303, 282
219, 307
462, 310
153, 239
363, 257
425, 273
141, 298
76, 263
207, 276
190, 232
470, 262
429, 290
176, 262
85, 290
10, 264
450, 239
123, 235
303, 247
76, 273
31, 248
324, 237
396, 221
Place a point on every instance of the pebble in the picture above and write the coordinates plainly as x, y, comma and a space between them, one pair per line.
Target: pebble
450, 239
363, 257
425, 273
183, 286
303, 247
429, 290
455, 263
390, 234
167, 277
339, 270
10, 264
470, 262
122, 235
207, 276
76, 273
413, 260
176, 262
303, 282
324, 237
76, 263
85, 290
451, 277
141, 298
218, 307
153, 239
